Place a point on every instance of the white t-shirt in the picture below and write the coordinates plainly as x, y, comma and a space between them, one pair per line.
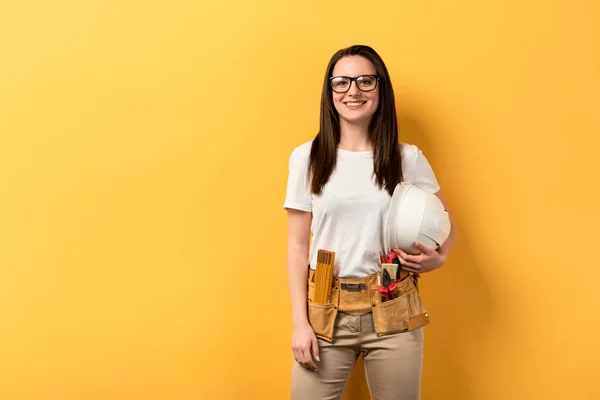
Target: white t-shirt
348, 216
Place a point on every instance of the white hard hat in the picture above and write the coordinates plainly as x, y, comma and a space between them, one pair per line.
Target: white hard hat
415, 215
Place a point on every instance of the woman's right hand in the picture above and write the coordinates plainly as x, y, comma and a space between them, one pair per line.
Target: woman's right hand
305, 346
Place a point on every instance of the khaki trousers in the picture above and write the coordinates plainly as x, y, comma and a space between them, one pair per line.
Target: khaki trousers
393, 363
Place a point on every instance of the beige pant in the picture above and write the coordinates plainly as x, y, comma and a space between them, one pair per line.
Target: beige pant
393, 363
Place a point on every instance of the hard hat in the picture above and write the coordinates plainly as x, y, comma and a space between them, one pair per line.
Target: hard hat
415, 215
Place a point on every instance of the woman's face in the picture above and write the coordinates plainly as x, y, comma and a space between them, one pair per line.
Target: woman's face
355, 105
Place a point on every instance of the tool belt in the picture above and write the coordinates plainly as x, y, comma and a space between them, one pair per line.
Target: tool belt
359, 296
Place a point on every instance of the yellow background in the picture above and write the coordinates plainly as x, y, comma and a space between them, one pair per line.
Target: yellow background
143, 162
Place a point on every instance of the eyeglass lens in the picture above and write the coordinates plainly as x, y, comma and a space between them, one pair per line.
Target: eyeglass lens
364, 83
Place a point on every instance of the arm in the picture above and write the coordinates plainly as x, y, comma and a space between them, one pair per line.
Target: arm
297, 271
304, 341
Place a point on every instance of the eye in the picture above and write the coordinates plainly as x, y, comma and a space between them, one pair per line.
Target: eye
339, 82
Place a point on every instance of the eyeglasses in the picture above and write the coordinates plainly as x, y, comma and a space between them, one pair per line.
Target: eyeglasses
365, 83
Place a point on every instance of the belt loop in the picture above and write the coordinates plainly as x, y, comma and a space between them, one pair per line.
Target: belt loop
373, 292
335, 292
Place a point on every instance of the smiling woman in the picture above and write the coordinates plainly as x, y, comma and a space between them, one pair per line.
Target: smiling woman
339, 188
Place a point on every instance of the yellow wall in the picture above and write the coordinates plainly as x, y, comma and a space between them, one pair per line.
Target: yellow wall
143, 161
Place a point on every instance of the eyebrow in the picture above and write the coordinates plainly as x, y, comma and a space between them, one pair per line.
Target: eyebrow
356, 76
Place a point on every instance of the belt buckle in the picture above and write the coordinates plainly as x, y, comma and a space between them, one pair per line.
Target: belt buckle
353, 287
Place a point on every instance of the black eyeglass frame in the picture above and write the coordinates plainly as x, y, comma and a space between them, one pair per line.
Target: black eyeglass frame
353, 79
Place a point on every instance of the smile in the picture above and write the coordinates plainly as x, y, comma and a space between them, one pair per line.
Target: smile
354, 104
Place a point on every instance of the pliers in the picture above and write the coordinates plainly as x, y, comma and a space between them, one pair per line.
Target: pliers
388, 287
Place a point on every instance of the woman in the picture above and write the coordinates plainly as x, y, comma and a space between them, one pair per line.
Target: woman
339, 187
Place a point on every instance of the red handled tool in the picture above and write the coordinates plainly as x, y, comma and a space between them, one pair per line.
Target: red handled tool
388, 287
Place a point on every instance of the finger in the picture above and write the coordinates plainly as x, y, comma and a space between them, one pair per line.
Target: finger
301, 357
414, 259
405, 260
399, 252
416, 271
315, 349
296, 355
407, 257
307, 358
424, 248
412, 265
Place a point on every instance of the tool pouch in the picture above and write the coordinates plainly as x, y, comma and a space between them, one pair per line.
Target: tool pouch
405, 312
320, 316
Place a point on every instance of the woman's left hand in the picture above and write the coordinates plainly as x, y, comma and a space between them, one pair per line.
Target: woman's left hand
428, 260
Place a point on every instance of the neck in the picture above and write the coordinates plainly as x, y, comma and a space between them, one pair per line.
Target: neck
354, 136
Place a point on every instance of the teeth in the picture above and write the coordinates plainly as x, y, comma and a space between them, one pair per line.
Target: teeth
355, 104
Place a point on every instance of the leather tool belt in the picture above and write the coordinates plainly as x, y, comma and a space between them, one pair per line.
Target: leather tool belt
359, 296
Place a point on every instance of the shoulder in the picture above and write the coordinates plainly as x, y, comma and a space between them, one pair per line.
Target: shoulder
303, 149
409, 152
301, 153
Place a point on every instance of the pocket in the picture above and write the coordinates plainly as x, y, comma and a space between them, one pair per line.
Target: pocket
405, 312
391, 316
322, 319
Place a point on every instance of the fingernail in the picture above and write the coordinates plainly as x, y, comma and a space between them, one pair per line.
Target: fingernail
318, 359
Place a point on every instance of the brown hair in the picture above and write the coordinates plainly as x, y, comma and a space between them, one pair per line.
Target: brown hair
383, 129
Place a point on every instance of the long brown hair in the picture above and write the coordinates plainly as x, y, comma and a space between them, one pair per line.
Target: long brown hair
383, 129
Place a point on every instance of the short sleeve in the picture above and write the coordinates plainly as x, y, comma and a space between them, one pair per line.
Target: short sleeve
297, 194
421, 174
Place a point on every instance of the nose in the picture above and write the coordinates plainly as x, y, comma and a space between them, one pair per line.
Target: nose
353, 90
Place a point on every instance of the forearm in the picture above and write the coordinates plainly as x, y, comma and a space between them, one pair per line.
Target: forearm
297, 272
